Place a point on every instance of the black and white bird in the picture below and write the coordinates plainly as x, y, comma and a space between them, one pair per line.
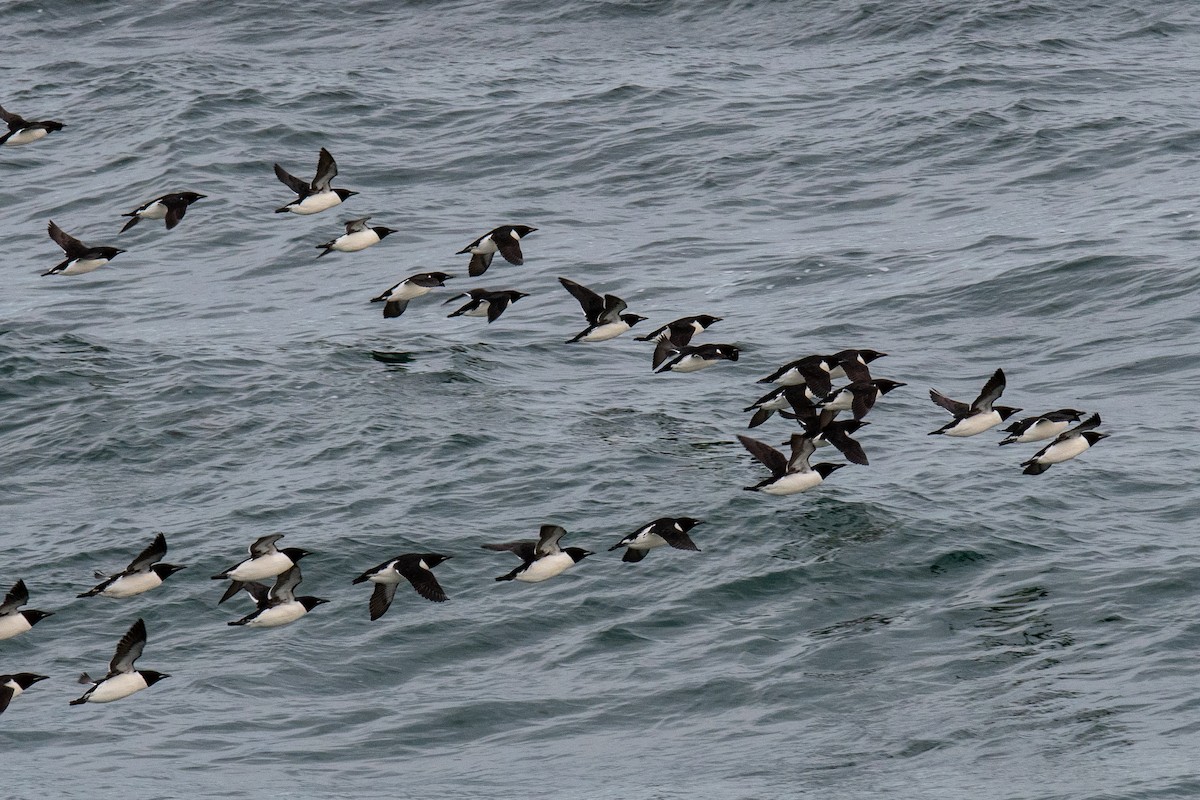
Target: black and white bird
278, 605
315, 196
779, 399
605, 320
14, 622
122, 679
681, 331
81, 257
15, 684
485, 303
1040, 428
858, 397
22, 131
980, 415
670, 357
1066, 446
789, 475
541, 559
265, 561
170, 207
811, 371
395, 299
838, 433
416, 568
143, 573
506, 240
853, 364
358, 236
663, 531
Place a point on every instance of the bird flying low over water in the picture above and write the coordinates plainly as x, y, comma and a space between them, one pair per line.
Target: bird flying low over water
1036, 429
663, 531
485, 303
541, 559
838, 433
143, 573
605, 320
506, 240
980, 415
22, 131
14, 622
278, 605
789, 475
416, 568
170, 207
358, 236
395, 299
122, 679
15, 684
681, 331
315, 196
1066, 446
81, 257
669, 357
265, 561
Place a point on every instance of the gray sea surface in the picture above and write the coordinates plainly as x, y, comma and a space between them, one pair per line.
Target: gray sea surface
964, 185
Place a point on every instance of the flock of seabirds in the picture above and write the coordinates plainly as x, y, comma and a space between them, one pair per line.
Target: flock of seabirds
804, 392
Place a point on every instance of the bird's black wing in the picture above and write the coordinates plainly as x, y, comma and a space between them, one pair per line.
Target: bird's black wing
70, 245
292, 182
129, 649
768, 456
326, 171
17, 596
991, 392
264, 545
955, 407
381, 599
156, 552
592, 303
509, 247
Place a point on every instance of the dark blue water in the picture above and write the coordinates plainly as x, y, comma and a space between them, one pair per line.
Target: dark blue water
964, 186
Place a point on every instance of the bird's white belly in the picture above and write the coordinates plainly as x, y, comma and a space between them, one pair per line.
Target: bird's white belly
316, 203
130, 585
793, 483
116, 687
84, 265
647, 541
353, 242
12, 625
261, 568
546, 567
1041, 430
155, 210
27, 135
609, 330
977, 423
692, 363
279, 615
1064, 451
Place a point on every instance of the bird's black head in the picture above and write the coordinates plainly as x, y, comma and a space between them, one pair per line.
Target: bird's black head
295, 553
382, 232
442, 277
26, 679
433, 559
523, 230
870, 355
109, 252
1004, 411
851, 425
687, 523
191, 197
51, 126
310, 603
344, 193
163, 570
884, 385
151, 677
1094, 436
728, 351
632, 319
518, 295
34, 617
825, 469
577, 554
1068, 414
706, 319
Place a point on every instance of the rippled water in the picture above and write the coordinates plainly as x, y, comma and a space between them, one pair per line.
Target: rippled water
964, 186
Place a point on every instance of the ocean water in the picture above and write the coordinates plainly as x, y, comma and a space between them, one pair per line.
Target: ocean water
965, 186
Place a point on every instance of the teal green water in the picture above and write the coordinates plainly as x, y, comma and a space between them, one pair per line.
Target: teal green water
964, 187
